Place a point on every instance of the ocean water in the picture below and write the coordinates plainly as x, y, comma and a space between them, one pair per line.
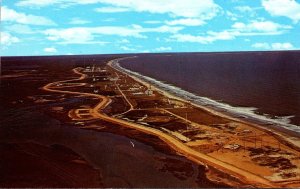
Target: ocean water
263, 85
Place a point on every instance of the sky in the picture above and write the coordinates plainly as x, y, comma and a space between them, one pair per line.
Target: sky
66, 27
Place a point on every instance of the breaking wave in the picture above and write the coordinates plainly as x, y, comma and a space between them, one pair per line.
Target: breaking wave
238, 112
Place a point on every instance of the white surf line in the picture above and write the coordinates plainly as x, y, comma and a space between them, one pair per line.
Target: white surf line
247, 112
241, 174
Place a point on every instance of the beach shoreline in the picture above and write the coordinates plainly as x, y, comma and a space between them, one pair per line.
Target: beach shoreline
281, 137
194, 146
219, 136
285, 135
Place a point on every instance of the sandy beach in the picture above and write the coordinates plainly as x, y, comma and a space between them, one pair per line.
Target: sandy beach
238, 148
282, 136
106, 99
34, 122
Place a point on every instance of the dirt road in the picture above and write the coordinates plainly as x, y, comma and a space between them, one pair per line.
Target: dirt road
243, 175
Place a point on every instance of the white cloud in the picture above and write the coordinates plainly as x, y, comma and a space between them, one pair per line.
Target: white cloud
273, 46
10, 15
7, 39
224, 35
60, 3
249, 11
78, 21
50, 50
232, 16
111, 9
70, 36
158, 49
205, 39
19, 28
40, 3
206, 9
163, 49
260, 26
153, 22
286, 8
253, 28
163, 29
125, 48
88, 34
243, 8
282, 46
261, 45
186, 22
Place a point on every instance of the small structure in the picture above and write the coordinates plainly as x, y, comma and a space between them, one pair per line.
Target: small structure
231, 126
101, 70
138, 93
149, 92
133, 89
232, 146
246, 131
88, 69
113, 79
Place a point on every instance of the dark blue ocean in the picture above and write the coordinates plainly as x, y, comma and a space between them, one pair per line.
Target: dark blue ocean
269, 82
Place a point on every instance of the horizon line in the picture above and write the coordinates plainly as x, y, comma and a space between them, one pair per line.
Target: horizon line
145, 53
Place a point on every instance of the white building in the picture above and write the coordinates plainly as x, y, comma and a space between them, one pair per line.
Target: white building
149, 92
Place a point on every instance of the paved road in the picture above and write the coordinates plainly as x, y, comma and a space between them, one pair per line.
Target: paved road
243, 175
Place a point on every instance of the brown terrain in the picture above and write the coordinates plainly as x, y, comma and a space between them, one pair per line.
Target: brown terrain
189, 145
42, 146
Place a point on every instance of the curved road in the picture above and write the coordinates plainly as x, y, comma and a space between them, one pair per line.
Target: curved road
243, 175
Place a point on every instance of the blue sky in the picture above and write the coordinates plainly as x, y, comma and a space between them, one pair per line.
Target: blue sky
55, 27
